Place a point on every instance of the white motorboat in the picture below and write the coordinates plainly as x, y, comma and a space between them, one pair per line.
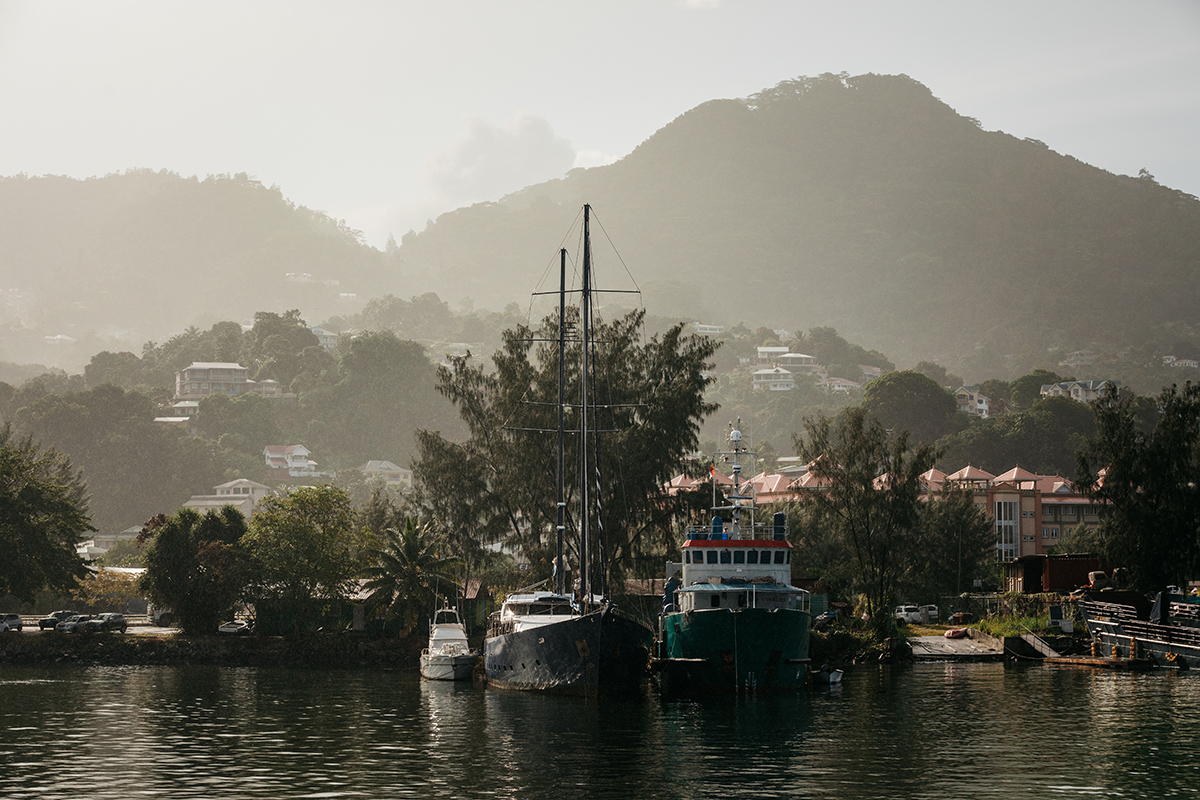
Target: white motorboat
448, 656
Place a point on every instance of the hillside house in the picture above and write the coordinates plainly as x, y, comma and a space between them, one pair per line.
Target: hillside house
290, 461
776, 379
241, 493
770, 355
327, 339
838, 385
970, 401
203, 378
797, 362
1081, 391
394, 477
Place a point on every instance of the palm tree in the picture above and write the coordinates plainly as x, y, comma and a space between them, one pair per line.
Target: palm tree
408, 567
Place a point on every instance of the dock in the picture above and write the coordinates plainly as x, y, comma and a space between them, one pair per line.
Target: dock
1131, 664
978, 647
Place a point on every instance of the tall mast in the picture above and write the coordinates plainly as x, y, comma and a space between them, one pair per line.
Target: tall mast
585, 544
559, 566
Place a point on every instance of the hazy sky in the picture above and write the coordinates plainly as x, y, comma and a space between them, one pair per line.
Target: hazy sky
388, 113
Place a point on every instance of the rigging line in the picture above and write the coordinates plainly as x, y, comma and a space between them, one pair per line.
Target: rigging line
613, 245
553, 263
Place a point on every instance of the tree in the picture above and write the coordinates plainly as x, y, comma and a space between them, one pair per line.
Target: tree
106, 589
1027, 390
195, 565
125, 553
408, 572
910, 401
1149, 481
872, 503
500, 482
938, 374
304, 548
955, 545
43, 513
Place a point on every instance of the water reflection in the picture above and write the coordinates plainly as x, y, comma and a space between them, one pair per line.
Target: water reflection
928, 730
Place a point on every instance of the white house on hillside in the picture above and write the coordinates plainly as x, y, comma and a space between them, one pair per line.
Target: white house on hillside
777, 379
242, 493
292, 459
394, 477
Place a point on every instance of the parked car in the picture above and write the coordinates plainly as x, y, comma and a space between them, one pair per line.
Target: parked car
12, 622
825, 619
52, 619
75, 624
929, 614
106, 623
907, 614
236, 627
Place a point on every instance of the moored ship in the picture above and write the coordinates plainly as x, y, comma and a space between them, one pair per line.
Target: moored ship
1127, 625
733, 621
563, 641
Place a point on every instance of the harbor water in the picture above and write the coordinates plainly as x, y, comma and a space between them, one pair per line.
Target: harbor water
908, 731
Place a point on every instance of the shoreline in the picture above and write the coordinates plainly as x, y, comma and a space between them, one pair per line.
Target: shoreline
337, 651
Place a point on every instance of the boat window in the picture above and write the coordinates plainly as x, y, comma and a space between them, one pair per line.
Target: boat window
741, 599
724, 556
766, 556
739, 557
779, 555
715, 601
752, 557
712, 556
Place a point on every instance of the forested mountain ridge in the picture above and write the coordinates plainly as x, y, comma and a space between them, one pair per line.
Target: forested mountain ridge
115, 261
860, 203
867, 204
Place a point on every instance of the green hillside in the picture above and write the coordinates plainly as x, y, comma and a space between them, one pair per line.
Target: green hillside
136, 256
867, 204
860, 203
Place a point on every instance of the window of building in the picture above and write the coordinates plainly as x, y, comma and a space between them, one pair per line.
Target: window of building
1006, 529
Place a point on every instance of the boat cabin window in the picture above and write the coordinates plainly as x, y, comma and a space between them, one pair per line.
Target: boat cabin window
724, 556
741, 599
524, 609
712, 556
715, 601
739, 557
752, 557
780, 556
766, 556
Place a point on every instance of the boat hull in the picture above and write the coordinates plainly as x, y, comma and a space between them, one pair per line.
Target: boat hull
1124, 632
457, 667
600, 652
730, 650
